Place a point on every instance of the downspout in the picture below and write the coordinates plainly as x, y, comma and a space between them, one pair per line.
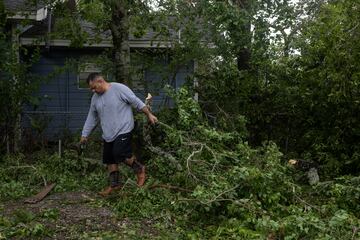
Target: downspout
47, 46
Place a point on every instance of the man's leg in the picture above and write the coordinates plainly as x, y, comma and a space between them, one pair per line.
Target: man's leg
138, 168
113, 169
123, 153
114, 180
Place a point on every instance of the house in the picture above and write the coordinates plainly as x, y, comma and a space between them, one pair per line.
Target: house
64, 99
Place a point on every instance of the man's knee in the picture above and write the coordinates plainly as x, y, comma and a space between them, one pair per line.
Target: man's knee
112, 167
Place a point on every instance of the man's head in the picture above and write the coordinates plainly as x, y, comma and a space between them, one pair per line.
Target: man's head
97, 83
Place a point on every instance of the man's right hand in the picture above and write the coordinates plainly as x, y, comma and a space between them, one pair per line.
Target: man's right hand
83, 140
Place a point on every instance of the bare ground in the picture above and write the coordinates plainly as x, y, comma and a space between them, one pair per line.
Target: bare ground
79, 215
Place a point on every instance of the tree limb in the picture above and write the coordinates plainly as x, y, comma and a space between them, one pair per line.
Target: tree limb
166, 186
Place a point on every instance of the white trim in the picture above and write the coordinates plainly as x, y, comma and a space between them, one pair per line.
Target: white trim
104, 44
23, 15
40, 15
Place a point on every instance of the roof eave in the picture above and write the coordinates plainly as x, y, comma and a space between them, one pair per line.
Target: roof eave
40, 15
102, 44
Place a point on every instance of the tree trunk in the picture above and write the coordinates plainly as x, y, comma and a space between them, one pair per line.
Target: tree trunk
120, 36
16, 124
244, 53
243, 59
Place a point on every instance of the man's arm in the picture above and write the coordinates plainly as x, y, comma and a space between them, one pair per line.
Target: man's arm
90, 124
129, 96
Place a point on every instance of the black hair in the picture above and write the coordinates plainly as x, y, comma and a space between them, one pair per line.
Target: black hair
92, 77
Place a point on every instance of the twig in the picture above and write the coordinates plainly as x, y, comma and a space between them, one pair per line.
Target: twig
167, 155
354, 28
207, 148
214, 156
355, 230
165, 125
229, 190
189, 158
170, 187
129, 182
308, 204
231, 157
215, 198
226, 115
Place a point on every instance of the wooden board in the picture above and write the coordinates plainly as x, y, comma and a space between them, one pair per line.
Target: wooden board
41, 195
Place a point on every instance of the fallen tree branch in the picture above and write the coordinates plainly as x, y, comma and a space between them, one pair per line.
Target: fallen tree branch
160, 152
150, 146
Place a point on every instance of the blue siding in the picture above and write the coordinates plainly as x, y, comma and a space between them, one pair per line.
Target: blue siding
66, 106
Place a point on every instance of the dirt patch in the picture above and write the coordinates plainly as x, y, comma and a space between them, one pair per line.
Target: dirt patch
74, 215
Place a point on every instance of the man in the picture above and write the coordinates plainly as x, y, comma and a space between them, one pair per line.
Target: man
111, 105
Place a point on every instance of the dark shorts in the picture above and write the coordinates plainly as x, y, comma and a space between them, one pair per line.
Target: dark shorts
118, 150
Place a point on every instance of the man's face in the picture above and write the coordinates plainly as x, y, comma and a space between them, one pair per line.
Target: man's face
97, 85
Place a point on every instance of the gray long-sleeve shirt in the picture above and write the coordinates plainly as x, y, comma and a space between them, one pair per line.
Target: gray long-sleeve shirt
113, 110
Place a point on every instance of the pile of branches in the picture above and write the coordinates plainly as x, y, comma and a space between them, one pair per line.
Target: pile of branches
248, 190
